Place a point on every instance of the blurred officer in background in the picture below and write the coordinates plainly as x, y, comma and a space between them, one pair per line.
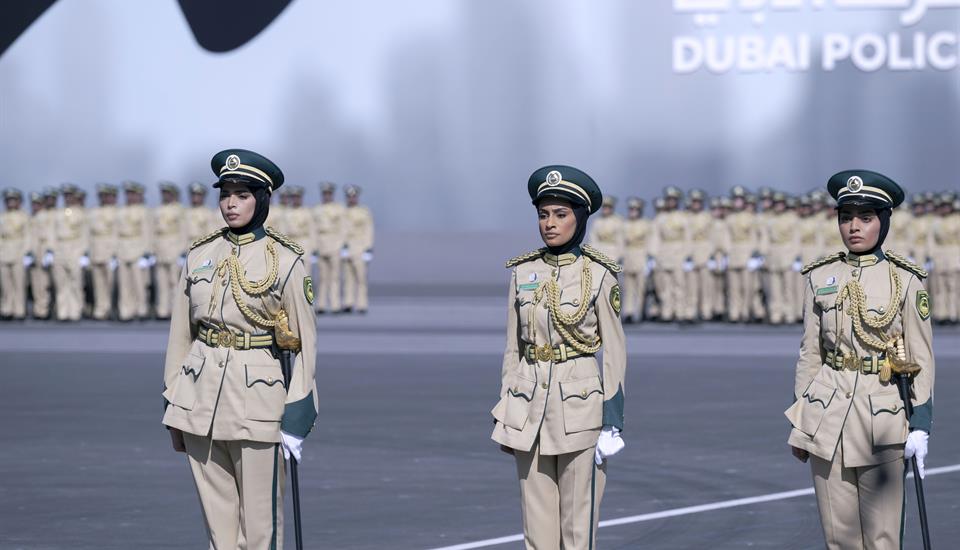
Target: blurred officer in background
716, 291
103, 250
134, 230
670, 245
606, 232
781, 245
299, 226
170, 243
14, 246
70, 259
200, 220
945, 251
636, 236
697, 275
329, 219
358, 251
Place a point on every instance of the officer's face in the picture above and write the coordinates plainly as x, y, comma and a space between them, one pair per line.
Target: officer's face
606, 210
779, 206
327, 197
237, 204
196, 199
635, 213
696, 205
859, 228
12, 203
557, 221
134, 198
352, 200
168, 197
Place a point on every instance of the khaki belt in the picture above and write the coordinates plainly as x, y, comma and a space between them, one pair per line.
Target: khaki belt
225, 338
546, 352
866, 365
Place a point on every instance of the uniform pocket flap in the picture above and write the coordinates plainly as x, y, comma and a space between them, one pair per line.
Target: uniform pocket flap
269, 375
580, 389
819, 393
193, 365
885, 403
521, 387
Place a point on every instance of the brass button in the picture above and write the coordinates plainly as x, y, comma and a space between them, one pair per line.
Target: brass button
221, 364
543, 385
583, 393
849, 394
269, 380
881, 309
515, 389
553, 272
855, 272
576, 302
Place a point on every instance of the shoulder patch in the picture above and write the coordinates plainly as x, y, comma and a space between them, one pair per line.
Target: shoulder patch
207, 238
906, 264
532, 255
284, 240
923, 304
308, 289
600, 258
615, 299
829, 259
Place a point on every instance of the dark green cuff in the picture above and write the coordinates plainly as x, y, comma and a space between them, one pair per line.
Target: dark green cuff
613, 410
298, 417
922, 418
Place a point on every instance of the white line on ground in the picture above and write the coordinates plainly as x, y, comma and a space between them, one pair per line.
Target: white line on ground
685, 511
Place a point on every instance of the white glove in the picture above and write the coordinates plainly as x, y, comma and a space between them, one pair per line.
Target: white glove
687, 265
712, 264
28, 260
114, 264
182, 260
344, 252
314, 258
928, 265
917, 446
291, 445
753, 264
651, 265
47, 259
152, 260
84, 261
143, 262
724, 262
797, 266
367, 256
609, 444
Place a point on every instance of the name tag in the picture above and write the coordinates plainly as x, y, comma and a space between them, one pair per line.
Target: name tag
529, 286
826, 290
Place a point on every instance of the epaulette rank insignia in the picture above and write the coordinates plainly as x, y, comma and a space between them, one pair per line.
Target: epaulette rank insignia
207, 238
906, 264
601, 258
284, 240
822, 261
532, 255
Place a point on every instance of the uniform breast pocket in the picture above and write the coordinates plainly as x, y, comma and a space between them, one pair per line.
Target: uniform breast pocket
582, 404
513, 409
265, 395
887, 418
184, 391
808, 411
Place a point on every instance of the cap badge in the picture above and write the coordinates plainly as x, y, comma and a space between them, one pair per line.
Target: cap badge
554, 177
233, 162
854, 184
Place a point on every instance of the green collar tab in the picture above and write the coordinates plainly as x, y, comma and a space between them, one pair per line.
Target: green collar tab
562, 259
865, 260
246, 238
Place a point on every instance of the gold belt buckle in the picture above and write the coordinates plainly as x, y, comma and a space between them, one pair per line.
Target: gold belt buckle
545, 353
225, 339
850, 362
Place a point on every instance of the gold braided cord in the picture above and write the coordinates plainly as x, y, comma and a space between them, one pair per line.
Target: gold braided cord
565, 323
857, 310
239, 283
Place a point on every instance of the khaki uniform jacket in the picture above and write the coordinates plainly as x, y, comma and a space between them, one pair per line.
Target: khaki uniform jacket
566, 403
606, 235
719, 238
14, 241
134, 232
277, 217
229, 393
200, 221
170, 233
636, 236
945, 237
858, 408
103, 234
744, 238
671, 240
329, 224
810, 233
41, 233
780, 241
72, 234
701, 242
359, 228
300, 226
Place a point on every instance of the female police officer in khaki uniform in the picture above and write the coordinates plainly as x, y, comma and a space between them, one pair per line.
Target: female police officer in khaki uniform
556, 400
244, 294
866, 318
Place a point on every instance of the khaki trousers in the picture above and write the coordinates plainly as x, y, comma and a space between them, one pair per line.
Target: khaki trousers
719, 293
132, 287
103, 279
860, 508
782, 302
68, 282
40, 288
669, 284
698, 293
329, 287
738, 289
355, 283
634, 290
13, 290
560, 499
240, 484
166, 274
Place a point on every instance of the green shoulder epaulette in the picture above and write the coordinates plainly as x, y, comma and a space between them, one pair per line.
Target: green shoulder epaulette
906, 264
601, 258
822, 261
207, 238
284, 240
526, 257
